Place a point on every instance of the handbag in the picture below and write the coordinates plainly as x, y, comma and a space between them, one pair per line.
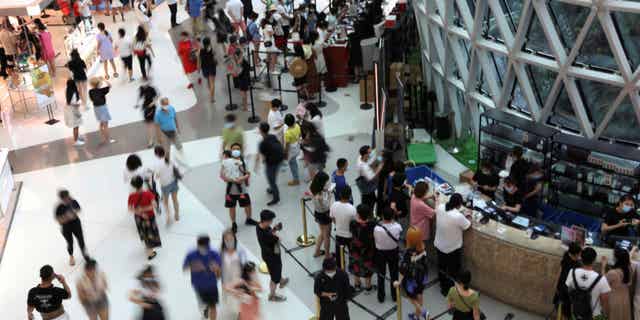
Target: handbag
176, 173
268, 44
482, 315
365, 186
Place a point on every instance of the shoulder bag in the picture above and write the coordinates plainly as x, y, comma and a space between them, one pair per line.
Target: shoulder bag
482, 315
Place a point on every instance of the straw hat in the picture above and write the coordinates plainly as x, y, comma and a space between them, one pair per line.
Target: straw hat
95, 81
298, 68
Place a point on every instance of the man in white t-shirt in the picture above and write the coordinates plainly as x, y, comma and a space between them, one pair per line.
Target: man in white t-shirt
450, 225
124, 47
342, 213
368, 175
276, 120
235, 11
387, 236
586, 277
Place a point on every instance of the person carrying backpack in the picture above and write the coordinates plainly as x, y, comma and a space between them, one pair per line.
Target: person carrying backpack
588, 290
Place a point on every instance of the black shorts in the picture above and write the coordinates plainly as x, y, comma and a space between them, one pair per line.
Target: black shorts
243, 200
128, 62
322, 218
209, 298
206, 72
275, 268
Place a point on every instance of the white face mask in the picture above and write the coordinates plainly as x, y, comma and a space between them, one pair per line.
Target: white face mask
229, 244
165, 108
228, 125
330, 274
236, 153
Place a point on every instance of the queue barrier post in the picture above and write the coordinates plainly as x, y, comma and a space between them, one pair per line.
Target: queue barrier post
366, 105
398, 301
342, 262
321, 104
230, 106
253, 118
305, 240
285, 68
559, 317
283, 107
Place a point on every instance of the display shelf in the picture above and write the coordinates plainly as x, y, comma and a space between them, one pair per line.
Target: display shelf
597, 173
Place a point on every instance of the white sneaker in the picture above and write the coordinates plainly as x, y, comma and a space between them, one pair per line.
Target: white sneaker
112, 141
79, 143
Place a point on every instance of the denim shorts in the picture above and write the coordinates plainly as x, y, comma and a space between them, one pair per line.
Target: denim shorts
170, 188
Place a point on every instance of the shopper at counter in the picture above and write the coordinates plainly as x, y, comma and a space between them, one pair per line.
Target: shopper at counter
620, 220
450, 224
486, 181
570, 260
512, 196
366, 181
517, 166
422, 214
585, 277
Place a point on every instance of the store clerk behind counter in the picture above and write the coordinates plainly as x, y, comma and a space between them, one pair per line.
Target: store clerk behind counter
620, 221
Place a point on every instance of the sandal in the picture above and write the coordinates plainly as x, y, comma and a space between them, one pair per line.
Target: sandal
153, 255
319, 253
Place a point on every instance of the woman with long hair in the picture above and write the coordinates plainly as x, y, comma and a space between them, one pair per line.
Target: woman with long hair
105, 50
78, 69
208, 65
322, 198
414, 269
141, 48
167, 175
142, 203
48, 54
620, 278
72, 114
233, 258
362, 249
462, 300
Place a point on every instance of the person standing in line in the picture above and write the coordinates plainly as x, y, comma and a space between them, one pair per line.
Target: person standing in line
47, 298
79, 73
271, 150
342, 213
314, 147
168, 175
117, 6
233, 171
315, 117
619, 278
204, 264
570, 260
254, 37
142, 203
208, 66
194, 8
241, 76
339, 178
414, 269
92, 291
72, 114
270, 251
275, 119
188, 52
105, 50
585, 278
362, 249
149, 96
124, 46
366, 180
148, 295
292, 147
66, 214
462, 300
173, 8
46, 43
232, 133
235, 11
421, 214
333, 289
167, 121
386, 236
233, 259
98, 95
320, 189
450, 225
142, 49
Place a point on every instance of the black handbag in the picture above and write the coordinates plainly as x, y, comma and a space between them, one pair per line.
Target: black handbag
268, 44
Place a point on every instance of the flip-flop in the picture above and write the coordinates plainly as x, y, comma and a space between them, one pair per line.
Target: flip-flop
153, 255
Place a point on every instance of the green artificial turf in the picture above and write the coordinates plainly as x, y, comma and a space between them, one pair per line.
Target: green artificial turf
468, 150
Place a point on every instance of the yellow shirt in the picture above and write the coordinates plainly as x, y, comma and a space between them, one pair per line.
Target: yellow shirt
292, 134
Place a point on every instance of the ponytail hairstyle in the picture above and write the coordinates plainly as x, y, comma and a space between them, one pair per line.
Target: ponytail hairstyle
455, 202
160, 153
464, 279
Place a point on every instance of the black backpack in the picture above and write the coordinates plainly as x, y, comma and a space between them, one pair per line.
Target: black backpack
581, 304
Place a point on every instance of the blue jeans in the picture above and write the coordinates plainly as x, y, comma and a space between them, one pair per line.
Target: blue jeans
293, 165
271, 172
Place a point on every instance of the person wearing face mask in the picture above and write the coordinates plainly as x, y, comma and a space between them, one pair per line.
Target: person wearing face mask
270, 251
232, 133
367, 176
332, 287
233, 258
204, 265
486, 181
512, 196
167, 120
620, 221
322, 199
233, 171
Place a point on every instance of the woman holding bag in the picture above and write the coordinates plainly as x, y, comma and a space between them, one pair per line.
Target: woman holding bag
142, 203
168, 175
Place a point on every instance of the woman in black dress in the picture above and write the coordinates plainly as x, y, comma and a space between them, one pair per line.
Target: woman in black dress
78, 70
208, 66
362, 249
149, 96
243, 79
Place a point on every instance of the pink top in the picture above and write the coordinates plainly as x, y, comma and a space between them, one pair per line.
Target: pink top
48, 53
422, 216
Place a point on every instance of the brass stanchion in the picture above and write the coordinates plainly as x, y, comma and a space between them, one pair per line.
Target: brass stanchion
342, 262
559, 311
263, 268
317, 315
398, 300
305, 240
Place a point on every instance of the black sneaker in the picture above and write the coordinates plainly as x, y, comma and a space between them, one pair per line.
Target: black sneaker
381, 299
250, 222
205, 313
234, 227
272, 202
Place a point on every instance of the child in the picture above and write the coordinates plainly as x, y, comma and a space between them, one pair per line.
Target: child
338, 177
72, 115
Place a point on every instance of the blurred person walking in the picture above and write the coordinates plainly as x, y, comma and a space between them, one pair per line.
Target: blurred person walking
149, 97
105, 50
92, 291
233, 259
204, 265
168, 175
147, 296
66, 213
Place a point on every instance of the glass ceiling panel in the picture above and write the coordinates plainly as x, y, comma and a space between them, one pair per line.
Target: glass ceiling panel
563, 115
595, 50
499, 64
597, 98
512, 10
535, 39
542, 81
629, 31
568, 19
624, 123
518, 102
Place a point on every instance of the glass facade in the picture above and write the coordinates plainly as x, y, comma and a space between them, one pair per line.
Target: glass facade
573, 64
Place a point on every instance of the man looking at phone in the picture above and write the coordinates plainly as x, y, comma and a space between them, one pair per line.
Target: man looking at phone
620, 221
333, 289
270, 250
47, 298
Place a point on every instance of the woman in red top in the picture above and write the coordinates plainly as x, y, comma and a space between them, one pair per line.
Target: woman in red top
141, 203
188, 53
